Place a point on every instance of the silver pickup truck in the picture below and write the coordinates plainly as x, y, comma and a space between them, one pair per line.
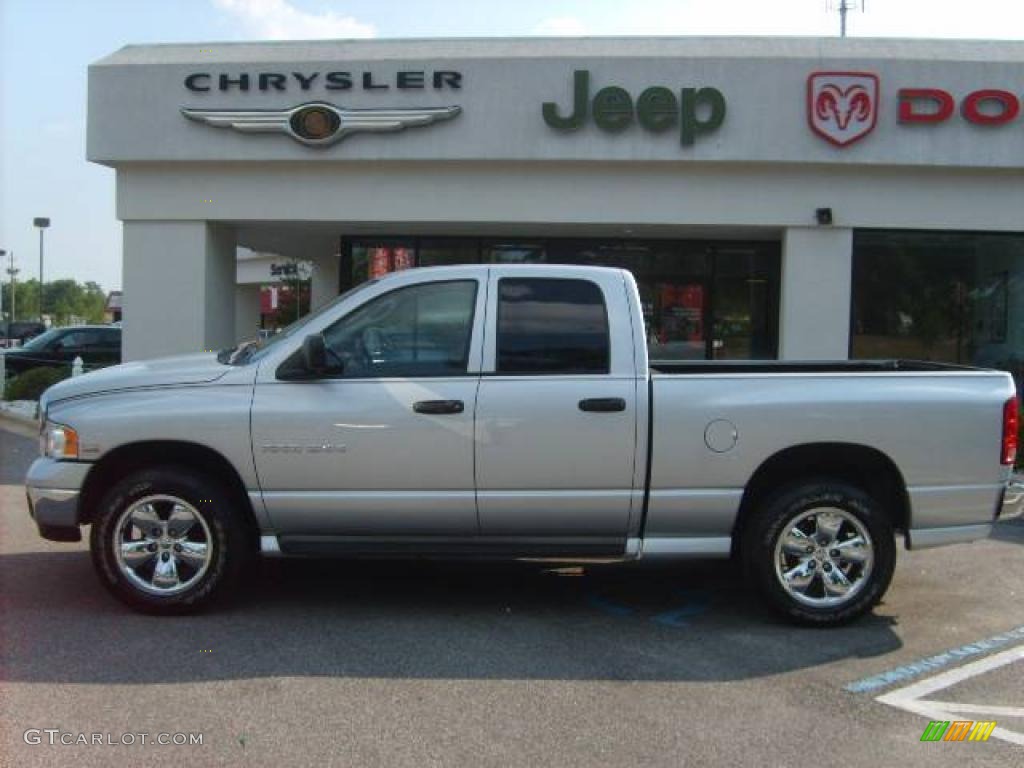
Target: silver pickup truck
512, 412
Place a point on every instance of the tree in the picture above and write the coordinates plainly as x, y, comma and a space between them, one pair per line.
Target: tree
63, 300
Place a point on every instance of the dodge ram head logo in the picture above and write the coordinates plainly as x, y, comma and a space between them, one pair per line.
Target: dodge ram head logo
842, 107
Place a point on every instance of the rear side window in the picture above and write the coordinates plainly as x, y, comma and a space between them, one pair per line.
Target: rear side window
110, 339
551, 326
79, 339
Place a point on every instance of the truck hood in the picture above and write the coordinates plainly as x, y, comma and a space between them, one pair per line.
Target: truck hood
163, 371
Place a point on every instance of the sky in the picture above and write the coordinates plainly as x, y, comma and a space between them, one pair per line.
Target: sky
46, 45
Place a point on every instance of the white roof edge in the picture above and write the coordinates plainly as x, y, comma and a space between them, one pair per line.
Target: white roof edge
270, 52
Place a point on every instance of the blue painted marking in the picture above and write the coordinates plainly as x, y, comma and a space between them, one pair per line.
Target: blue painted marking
608, 606
677, 617
695, 603
916, 668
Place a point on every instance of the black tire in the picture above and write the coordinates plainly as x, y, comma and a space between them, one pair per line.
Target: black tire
230, 542
773, 519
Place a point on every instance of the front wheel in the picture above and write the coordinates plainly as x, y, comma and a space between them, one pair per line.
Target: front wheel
822, 552
167, 541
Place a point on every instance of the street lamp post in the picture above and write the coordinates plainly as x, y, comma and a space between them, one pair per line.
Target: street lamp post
13, 273
42, 222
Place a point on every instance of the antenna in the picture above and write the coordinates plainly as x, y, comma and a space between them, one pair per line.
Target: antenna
843, 6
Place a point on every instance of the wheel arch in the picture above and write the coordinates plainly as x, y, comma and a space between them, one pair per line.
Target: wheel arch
131, 457
868, 468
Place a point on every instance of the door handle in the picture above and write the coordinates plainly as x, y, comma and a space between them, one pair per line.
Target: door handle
603, 404
439, 406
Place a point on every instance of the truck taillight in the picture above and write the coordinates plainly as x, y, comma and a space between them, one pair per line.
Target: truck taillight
1011, 421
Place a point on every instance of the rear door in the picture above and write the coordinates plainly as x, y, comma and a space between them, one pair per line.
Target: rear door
557, 410
108, 348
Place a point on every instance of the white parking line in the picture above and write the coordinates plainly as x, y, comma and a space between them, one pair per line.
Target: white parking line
911, 698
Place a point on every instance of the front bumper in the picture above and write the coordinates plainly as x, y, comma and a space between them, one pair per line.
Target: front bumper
52, 488
55, 511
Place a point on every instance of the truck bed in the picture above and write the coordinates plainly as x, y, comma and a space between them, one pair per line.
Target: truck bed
714, 424
676, 367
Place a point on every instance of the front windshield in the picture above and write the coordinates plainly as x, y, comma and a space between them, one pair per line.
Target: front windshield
40, 341
254, 349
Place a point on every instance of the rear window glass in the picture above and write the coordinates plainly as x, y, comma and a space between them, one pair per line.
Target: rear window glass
551, 326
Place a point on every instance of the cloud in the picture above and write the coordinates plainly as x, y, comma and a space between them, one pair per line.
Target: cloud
561, 26
280, 20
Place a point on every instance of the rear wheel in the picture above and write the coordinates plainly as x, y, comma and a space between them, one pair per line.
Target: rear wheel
168, 541
822, 552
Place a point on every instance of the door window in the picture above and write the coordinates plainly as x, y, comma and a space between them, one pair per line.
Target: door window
77, 340
551, 326
422, 330
110, 339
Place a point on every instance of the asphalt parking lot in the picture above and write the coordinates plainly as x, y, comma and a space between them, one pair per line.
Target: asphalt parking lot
440, 664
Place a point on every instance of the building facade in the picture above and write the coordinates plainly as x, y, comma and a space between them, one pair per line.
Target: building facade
775, 198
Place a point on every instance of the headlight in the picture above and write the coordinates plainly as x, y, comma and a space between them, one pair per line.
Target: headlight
57, 441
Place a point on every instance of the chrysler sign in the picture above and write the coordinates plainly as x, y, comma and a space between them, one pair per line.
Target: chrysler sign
405, 80
320, 123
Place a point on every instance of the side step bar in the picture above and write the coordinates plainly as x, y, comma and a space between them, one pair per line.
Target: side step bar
661, 548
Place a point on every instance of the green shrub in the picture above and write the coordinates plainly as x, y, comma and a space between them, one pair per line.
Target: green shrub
31, 384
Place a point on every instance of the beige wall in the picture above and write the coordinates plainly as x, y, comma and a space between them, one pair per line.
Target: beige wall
814, 319
603, 194
179, 282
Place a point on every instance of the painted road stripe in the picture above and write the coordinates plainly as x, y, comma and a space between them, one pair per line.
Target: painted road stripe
910, 698
992, 710
916, 668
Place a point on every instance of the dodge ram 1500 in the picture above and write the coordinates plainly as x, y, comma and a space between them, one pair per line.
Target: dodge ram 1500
512, 412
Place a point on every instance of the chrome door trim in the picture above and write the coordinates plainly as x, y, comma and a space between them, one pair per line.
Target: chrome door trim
925, 538
684, 547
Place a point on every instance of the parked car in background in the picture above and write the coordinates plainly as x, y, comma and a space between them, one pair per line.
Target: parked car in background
97, 345
17, 333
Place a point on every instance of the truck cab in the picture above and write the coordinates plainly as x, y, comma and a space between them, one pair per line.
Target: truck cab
434, 416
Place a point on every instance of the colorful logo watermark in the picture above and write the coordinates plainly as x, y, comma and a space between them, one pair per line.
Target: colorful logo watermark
958, 730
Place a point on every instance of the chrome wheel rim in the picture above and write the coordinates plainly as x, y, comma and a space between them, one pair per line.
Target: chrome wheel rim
162, 545
824, 557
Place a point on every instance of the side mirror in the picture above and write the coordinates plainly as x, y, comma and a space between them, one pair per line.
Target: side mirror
314, 354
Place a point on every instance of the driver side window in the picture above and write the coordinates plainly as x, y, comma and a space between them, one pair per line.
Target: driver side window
72, 341
421, 330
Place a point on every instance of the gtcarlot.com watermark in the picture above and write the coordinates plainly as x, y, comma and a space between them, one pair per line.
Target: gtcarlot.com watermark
57, 737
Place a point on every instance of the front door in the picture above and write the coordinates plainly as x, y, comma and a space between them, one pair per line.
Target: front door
382, 445
557, 411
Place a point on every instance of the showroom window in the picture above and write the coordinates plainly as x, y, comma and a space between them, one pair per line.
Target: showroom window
702, 300
955, 297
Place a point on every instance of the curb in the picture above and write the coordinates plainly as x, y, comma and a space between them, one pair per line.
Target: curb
19, 424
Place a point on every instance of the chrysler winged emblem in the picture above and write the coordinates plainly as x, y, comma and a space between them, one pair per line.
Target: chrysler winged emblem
318, 124
842, 107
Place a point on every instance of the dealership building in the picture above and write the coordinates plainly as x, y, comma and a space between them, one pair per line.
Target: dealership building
774, 198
